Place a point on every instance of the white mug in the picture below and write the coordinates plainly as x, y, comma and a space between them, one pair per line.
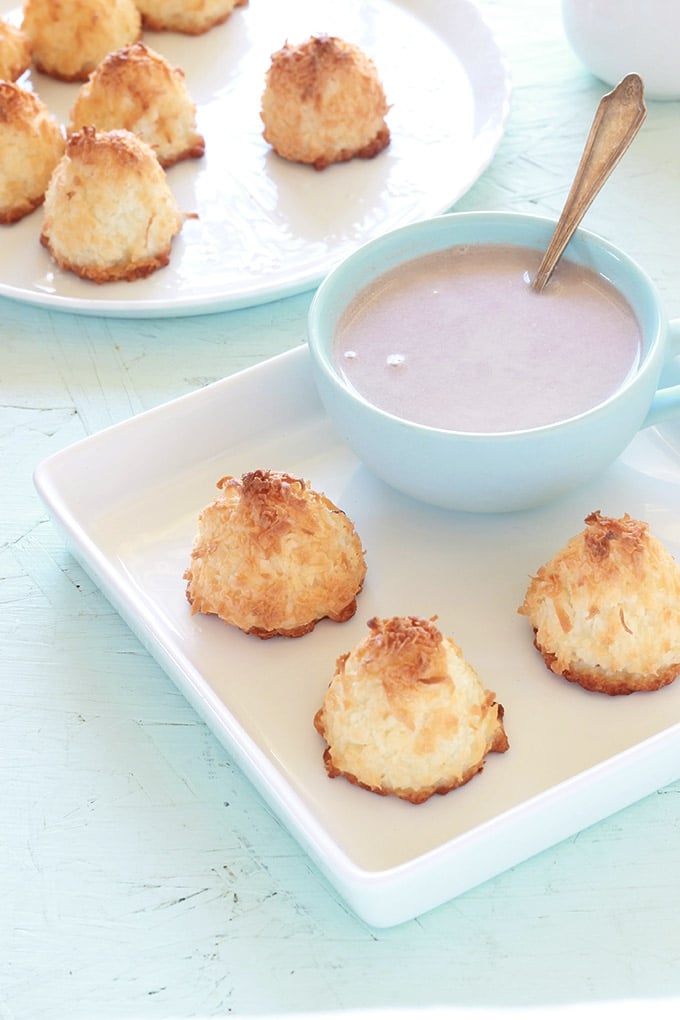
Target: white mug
615, 37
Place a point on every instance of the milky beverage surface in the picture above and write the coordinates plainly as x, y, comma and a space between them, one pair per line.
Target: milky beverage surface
459, 340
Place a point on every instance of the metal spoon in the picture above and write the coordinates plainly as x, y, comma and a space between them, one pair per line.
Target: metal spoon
617, 120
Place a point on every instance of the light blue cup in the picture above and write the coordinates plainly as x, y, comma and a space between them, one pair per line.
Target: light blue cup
497, 472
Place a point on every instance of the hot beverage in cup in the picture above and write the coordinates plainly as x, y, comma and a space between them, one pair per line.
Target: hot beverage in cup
458, 340
518, 396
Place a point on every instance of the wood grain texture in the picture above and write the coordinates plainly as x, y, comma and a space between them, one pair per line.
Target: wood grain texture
140, 874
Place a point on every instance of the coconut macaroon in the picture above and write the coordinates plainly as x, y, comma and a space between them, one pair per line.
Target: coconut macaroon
606, 608
15, 51
323, 103
137, 89
405, 714
68, 39
32, 145
273, 557
193, 18
109, 212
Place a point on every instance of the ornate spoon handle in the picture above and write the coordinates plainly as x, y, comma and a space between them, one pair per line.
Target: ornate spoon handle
617, 121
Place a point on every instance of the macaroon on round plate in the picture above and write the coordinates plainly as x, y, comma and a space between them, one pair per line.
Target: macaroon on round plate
259, 227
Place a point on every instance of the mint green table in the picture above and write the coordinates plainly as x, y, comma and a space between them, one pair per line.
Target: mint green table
140, 874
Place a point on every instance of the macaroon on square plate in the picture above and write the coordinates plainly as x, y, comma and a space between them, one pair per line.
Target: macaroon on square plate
127, 500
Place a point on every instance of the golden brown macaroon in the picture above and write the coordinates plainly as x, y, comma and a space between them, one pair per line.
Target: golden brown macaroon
68, 39
405, 714
32, 144
606, 608
273, 557
193, 18
109, 212
137, 89
15, 51
323, 103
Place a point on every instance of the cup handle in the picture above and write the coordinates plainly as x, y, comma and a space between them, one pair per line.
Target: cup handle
666, 401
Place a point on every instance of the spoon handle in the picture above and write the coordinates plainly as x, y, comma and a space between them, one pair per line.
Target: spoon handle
617, 120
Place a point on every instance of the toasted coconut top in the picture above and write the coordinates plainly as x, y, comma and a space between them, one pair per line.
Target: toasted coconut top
18, 105
402, 652
91, 147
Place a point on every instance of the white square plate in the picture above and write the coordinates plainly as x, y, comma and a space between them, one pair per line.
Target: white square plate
128, 500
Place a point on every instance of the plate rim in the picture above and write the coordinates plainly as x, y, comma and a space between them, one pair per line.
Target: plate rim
381, 897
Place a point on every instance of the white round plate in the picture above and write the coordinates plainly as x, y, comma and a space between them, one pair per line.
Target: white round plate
266, 228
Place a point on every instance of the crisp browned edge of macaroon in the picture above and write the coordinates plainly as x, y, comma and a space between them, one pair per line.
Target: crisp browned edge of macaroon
195, 151
594, 678
18, 212
117, 140
257, 480
412, 795
294, 632
78, 77
152, 24
369, 151
600, 681
68, 79
138, 50
127, 274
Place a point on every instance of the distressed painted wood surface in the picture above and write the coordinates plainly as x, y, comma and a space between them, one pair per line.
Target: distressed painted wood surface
140, 874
